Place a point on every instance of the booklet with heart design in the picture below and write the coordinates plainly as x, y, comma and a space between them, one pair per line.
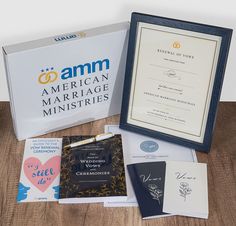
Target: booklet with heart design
40, 171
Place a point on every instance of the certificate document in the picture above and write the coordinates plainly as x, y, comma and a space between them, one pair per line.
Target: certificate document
172, 80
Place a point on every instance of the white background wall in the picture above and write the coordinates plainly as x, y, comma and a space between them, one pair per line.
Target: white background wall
25, 20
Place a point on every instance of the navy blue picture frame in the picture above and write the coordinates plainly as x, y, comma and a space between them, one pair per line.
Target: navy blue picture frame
224, 33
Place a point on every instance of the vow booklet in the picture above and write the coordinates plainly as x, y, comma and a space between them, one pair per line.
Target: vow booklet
186, 190
148, 182
93, 172
177, 188
39, 179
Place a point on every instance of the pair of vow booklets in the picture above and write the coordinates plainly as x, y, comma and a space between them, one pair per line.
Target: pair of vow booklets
120, 169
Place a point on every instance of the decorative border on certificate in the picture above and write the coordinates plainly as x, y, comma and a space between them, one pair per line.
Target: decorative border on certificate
215, 57
174, 75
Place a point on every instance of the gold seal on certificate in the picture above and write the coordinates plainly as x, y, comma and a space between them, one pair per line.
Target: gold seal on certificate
174, 75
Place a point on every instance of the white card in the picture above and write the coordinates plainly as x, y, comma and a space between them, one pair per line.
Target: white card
186, 191
40, 171
138, 148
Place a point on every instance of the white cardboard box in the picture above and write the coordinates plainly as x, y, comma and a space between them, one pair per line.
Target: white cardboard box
62, 81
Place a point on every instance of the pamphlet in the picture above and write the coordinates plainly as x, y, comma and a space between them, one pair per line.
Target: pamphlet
39, 179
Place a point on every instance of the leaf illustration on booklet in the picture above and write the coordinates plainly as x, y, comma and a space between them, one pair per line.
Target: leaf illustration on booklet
184, 190
155, 192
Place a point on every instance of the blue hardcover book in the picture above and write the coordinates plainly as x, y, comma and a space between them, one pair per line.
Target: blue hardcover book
148, 180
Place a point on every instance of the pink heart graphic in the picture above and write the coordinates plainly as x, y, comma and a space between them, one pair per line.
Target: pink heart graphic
41, 176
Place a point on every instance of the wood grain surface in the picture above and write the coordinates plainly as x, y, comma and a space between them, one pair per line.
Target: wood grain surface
221, 181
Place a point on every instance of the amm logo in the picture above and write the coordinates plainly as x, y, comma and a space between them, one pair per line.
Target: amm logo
49, 75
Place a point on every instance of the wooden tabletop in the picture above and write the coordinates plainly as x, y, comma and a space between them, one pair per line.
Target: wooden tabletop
221, 181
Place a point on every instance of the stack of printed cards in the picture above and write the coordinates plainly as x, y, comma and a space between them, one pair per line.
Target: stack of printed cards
40, 172
177, 188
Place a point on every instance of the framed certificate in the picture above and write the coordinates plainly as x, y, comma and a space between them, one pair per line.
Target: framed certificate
174, 75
